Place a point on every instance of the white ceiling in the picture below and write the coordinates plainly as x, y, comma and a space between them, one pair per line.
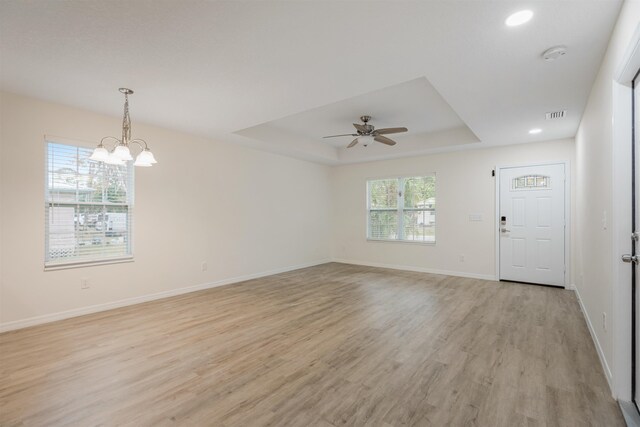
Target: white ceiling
414, 104
278, 75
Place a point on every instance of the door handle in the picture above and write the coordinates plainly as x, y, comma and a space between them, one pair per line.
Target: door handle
630, 258
504, 230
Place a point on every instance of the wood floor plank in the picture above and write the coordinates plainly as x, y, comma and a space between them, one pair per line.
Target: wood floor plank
326, 346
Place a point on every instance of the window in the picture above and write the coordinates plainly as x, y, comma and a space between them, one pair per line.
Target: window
529, 182
88, 207
402, 209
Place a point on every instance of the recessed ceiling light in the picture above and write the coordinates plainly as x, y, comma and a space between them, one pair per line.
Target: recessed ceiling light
519, 18
535, 131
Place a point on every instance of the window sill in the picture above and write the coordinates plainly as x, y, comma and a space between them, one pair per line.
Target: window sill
67, 265
410, 242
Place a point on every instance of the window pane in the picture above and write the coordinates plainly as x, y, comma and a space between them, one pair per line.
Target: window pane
420, 225
72, 176
383, 194
411, 220
116, 179
530, 182
419, 192
88, 206
88, 232
62, 170
383, 225
62, 231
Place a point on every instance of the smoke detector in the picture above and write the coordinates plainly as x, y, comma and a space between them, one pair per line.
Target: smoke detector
554, 53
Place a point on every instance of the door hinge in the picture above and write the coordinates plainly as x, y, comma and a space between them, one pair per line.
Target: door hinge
635, 236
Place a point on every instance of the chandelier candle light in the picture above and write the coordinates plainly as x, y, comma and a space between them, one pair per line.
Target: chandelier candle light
121, 152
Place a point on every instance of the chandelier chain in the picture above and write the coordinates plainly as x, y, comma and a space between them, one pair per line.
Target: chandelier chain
126, 122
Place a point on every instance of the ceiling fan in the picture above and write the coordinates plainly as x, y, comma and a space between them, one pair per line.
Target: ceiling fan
367, 133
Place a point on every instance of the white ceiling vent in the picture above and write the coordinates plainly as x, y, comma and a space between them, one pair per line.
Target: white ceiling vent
560, 114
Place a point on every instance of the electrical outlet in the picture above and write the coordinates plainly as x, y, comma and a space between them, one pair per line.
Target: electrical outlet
461, 258
204, 266
84, 283
604, 321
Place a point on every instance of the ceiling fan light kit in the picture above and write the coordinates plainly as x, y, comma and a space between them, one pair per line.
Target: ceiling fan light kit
121, 152
365, 140
366, 133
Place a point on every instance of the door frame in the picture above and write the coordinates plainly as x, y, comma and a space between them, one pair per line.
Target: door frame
622, 140
567, 214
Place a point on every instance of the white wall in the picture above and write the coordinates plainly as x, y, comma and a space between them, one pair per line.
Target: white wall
242, 211
464, 186
594, 150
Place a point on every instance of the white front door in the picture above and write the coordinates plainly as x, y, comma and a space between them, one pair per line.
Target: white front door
532, 224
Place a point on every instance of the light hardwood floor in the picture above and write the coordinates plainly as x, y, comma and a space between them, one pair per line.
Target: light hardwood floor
323, 346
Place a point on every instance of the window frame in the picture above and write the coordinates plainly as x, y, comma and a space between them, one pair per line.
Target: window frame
50, 265
400, 209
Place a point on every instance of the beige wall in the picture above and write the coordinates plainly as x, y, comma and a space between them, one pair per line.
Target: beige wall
464, 186
594, 184
242, 211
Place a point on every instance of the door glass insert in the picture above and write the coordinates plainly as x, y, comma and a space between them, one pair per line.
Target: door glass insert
530, 182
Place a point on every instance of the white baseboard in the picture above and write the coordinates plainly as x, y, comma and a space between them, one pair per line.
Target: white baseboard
47, 318
418, 269
594, 337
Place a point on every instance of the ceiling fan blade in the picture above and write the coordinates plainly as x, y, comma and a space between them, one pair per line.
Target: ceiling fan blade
353, 143
344, 134
384, 140
360, 127
387, 131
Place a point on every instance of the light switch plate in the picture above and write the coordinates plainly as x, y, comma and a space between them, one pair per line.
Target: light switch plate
475, 217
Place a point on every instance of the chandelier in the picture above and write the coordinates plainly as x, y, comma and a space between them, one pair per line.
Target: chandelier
121, 153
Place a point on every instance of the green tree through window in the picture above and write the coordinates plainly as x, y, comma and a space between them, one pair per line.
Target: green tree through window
402, 209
